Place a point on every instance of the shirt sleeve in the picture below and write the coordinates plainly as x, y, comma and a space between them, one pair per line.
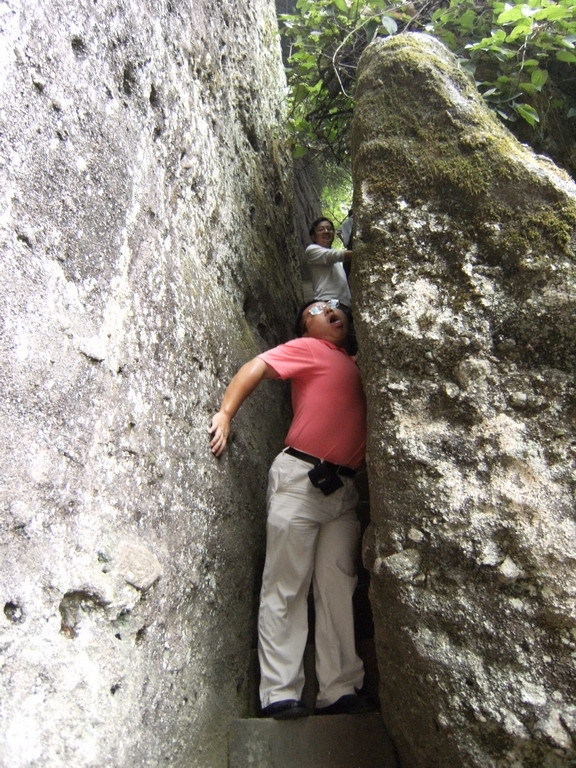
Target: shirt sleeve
316, 254
291, 360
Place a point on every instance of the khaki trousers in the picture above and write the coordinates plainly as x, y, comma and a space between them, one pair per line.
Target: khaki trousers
310, 538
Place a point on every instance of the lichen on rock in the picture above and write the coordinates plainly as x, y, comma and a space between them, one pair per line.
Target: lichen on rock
465, 289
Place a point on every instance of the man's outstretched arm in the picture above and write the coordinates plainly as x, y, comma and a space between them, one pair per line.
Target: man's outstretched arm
243, 383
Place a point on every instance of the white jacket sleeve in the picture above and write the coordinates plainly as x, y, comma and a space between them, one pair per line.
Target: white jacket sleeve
316, 254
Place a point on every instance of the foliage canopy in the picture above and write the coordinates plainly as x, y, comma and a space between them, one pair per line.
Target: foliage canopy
521, 55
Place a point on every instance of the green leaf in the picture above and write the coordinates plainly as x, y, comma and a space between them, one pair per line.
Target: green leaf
522, 29
342, 5
302, 58
512, 13
389, 25
300, 93
553, 13
449, 38
467, 20
528, 113
489, 43
566, 56
539, 78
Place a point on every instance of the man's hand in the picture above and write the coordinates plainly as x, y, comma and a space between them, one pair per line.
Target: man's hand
220, 429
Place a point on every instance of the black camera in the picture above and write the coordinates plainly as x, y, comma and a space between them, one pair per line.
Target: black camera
325, 477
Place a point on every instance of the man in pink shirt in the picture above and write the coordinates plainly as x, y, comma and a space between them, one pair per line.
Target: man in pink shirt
312, 529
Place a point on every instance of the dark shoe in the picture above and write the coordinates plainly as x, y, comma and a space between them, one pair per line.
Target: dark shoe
350, 704
288, 709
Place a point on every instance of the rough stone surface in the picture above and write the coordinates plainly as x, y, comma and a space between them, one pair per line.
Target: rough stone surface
146, 253
465, 288
307, 190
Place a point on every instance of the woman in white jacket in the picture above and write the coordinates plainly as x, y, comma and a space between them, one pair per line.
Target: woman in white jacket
326, 264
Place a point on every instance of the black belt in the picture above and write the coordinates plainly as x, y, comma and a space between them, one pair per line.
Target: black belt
341, 470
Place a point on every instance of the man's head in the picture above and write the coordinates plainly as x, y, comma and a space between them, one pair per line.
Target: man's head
322, 232
323, 320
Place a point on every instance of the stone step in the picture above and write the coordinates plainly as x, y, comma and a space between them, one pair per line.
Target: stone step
329, 741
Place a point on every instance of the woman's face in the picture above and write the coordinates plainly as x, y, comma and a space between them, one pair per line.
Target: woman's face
324, 234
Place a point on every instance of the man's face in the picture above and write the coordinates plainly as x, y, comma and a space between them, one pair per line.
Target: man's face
324, 234
329, 324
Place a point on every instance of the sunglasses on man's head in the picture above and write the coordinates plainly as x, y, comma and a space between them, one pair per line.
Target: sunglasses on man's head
317, 309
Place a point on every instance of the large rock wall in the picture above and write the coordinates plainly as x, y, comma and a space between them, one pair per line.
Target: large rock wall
465, 289
146, 229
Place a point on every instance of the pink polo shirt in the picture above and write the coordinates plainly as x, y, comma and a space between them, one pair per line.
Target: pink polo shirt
327, 399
